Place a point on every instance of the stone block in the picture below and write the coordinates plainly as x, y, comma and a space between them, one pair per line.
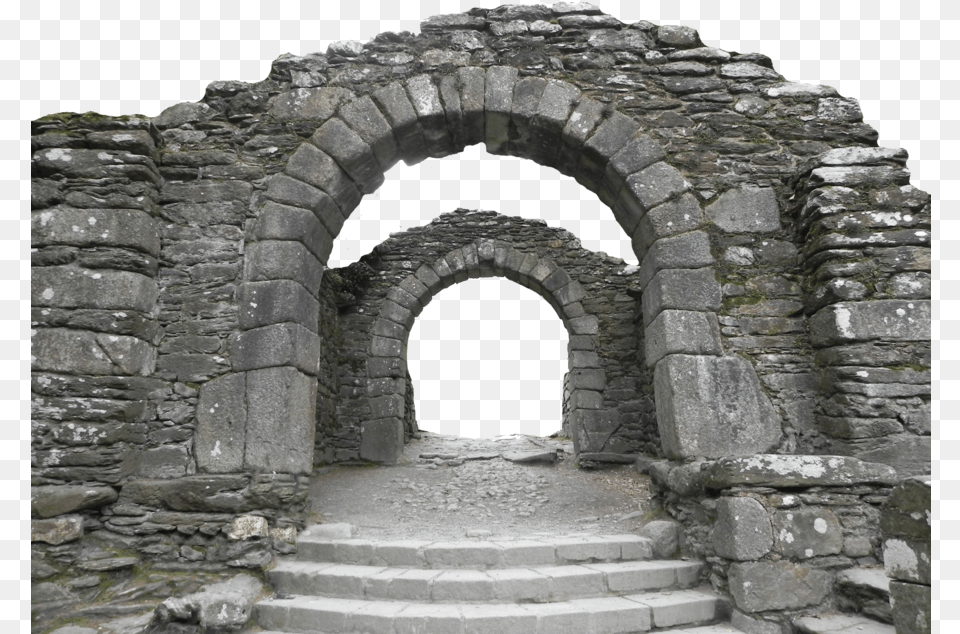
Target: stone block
275, 345
806, 533
664, 536
712, 407
906, 559
593, 428
206, 191
585, 325
906, 512
880, 176
686, 251
498, 104
391, 329
639, 153
911, 606
909, 455
65, 350
887, 320
393, 102
586, 116
682, 332
364, 118
387, 406
381, 441
71, 287
651, 187
472, 84
54, 500
553, 110
129, 228
220, 437
57, 530
309, 103
385, 347
283, 260
682, 289
853, 428
747, 209
286, 223
609, 138
526, 99
281, 421
351, 153
290, 191
315, 167
275, 302
163, 462
780, 585
425, 99
742, 531
671, 218
774, 470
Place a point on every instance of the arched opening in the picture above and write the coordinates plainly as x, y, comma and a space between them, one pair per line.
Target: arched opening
487, 357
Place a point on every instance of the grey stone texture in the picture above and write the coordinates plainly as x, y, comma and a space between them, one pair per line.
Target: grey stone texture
746, 210
714, 407
807, 533
138, 315
777, 585
743, 530
51, 501
912, 612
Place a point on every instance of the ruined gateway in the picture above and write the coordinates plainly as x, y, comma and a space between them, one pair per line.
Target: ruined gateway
768, 362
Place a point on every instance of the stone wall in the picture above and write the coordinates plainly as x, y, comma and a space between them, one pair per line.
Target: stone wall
192, 355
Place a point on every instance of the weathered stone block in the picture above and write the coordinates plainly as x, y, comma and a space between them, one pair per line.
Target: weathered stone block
351, 153
747, 209
609, 138
315, 167
908, 559
638, 154
283, 259
879, 176
84, 352
682, 332
163, 462
393, 102
204, 191
498, 104
686, 251
909, 455
775, 470
129, 228
553, 111
593, 427
527, 93
906, 512
283, 222
309, 103
888, 319
472, 88
652, 186
806, 533
281, 420
683, 289
220, 437
712, 407
742, 530
671, 218
381, 440
366, 120
275, 302
275, 345
911, 606
58, 530
586, 116
70, 287
425, 99
781, 585
51, 501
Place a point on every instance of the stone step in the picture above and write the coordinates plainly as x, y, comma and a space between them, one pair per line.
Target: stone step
841, 624
680, 610
865, 591
506, 585
480, 555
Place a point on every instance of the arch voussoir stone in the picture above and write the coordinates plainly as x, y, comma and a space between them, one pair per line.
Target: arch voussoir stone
393, 102
425, 99
498, 107
315, 167
351, 153
364, 118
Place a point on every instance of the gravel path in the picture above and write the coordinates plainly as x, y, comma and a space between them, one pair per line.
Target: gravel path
447, 487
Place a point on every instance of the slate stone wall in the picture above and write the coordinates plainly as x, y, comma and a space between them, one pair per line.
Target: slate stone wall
190, 353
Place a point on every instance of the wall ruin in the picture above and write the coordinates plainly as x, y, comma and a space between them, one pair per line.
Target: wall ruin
193, 358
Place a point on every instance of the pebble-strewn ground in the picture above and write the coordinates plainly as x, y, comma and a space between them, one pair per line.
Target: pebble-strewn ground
447, 487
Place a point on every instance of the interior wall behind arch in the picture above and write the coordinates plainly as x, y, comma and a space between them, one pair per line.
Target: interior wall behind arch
487, 357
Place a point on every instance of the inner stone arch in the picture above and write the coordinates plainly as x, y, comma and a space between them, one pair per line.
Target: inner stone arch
603, 410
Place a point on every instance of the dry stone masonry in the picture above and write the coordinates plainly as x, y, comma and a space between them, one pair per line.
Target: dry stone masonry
194, 358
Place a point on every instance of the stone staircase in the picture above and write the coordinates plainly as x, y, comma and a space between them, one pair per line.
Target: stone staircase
545, 585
